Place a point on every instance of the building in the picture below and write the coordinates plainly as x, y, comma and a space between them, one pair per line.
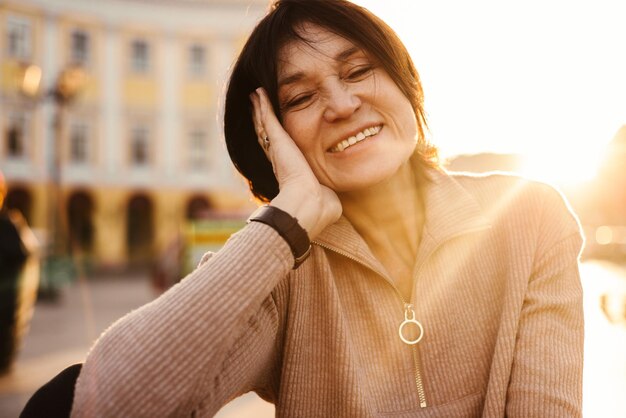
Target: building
137, 151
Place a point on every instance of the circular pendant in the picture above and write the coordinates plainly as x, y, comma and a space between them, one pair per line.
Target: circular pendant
419, 337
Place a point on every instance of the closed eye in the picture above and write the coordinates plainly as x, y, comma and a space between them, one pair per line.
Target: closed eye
359, 73
298, 102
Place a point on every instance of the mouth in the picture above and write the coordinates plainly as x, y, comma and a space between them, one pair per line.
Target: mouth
355, 139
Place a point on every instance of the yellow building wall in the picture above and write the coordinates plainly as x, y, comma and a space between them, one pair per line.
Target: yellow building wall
12, 69
34, 15
90, 92
198, 94
109, 223
148, 119
91, 89
197, 90
40, 209
11, 72
140, 92
92, 118
168, 219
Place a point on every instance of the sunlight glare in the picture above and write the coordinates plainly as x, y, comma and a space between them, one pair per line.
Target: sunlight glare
563, 166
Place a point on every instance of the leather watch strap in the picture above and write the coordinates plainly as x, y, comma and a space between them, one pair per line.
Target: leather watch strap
287, 227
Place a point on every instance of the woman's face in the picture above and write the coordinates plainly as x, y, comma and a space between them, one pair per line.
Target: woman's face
347, 116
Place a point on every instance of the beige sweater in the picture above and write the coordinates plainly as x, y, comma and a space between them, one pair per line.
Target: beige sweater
497, 291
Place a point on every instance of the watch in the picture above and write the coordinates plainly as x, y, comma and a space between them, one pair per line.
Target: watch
287, 227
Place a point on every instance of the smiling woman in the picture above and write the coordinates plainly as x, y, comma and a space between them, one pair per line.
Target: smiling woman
373, 282
335, 81
258, 65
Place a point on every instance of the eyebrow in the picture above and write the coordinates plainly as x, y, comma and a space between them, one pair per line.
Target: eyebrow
297, 76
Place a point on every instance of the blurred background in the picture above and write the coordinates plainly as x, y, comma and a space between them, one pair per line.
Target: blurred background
117, 179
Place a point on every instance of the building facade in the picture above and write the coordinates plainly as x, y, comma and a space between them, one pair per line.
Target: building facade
138, 150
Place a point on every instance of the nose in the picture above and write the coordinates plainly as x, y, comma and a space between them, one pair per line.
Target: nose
341, 101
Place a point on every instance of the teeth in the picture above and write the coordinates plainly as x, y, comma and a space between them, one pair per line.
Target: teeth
356, 138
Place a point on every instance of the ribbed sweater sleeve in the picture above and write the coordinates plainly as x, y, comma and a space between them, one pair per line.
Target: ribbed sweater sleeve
174, 355
546, 375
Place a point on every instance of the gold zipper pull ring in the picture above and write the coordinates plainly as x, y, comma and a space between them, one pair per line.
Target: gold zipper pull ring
409, 318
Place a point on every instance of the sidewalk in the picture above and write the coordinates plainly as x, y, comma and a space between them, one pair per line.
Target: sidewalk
61, 333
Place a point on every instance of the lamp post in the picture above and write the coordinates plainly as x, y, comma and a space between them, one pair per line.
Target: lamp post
69, 83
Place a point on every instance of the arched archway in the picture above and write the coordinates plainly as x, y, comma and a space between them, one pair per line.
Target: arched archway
140, 229
20, 198
80, 209
198, 207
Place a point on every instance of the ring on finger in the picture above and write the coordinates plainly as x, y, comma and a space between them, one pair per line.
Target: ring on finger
266, 143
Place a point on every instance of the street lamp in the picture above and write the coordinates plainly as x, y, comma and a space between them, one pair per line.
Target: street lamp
69, 83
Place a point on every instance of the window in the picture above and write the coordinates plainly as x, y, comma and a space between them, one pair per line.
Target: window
16, 136
197, 60
80, 47
139, 152
18, 38
198, 150
140, 60
79, 146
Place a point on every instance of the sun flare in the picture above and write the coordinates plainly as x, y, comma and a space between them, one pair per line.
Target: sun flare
562, 167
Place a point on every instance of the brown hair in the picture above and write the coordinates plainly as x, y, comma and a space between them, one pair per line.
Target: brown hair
257, 67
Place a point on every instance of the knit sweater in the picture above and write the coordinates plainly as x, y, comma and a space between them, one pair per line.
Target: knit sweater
497, 292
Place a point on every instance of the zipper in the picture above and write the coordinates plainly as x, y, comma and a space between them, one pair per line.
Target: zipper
418, 379
409, 313
409, 317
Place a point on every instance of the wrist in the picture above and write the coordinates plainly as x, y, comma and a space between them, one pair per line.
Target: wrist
304, 209
288, 228
314, 207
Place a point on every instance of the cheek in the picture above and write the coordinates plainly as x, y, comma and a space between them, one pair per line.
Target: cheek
302, 136
409, 122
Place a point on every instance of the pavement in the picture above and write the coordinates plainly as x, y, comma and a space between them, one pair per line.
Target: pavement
61, 334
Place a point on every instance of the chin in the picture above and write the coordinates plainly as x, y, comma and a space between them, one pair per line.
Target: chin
365, 179
369, 169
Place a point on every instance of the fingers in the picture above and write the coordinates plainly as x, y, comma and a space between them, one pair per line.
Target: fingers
287, 160
270, 133
262, 137
269, 122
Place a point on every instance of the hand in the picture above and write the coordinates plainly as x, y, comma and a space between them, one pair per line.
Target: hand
300, 193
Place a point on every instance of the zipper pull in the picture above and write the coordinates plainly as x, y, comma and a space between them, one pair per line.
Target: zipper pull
409, 318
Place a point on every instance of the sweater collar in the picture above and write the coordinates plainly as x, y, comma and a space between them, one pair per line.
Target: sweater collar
450, 211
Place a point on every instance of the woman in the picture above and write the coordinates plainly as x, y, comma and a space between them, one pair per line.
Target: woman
422, 293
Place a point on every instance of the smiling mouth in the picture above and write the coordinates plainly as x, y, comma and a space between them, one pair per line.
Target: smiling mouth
347, 143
